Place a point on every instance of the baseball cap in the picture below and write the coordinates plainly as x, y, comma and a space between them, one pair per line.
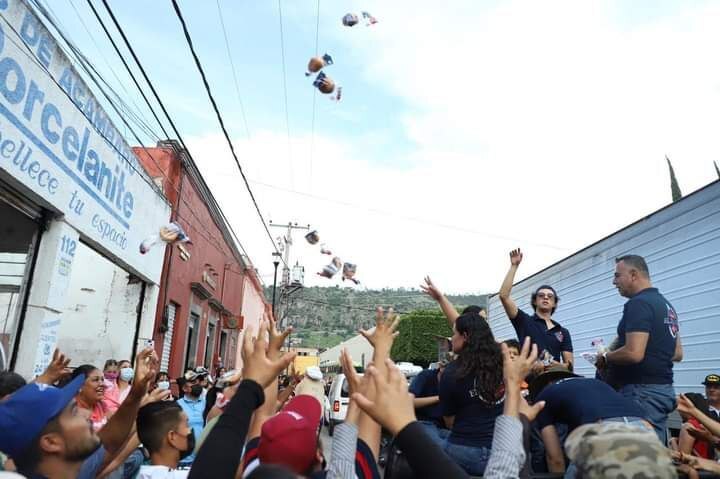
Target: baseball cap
711, 379
618, 450
28, 410
555, 373
290, 437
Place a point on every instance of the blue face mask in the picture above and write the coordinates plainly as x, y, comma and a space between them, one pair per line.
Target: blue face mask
127, 374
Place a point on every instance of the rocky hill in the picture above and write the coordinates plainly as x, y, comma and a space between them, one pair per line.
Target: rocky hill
324, 317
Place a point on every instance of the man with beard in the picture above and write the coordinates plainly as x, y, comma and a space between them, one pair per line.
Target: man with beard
48, 436
193, 404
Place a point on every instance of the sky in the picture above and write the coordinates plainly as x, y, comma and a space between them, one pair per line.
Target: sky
466, 129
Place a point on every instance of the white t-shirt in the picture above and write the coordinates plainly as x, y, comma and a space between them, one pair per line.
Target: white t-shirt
162, 472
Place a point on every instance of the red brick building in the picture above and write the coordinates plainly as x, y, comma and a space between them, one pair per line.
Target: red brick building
208, 290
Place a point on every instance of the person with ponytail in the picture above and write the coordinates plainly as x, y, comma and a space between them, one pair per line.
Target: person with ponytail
472, 393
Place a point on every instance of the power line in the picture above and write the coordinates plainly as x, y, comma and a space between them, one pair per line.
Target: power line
232, 65
209, 200
127, 67
215, 108
114, 74
117, 104
312, 127
408, 218
287, 114
212, 240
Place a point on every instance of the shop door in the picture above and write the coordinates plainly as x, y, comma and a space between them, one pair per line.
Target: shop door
19, 235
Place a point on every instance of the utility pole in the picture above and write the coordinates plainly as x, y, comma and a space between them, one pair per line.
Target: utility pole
286, 287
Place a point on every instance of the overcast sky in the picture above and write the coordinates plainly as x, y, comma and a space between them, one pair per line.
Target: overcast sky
463, 132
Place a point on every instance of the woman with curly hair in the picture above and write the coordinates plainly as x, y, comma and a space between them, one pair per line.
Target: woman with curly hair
472, 393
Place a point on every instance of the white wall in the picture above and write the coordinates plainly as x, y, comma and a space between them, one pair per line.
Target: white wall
100, 314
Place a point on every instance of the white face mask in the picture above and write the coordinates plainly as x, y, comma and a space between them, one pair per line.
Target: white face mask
163, 385
127, 374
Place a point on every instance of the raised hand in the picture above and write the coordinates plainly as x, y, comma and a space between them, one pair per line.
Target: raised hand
57, 368
700, 434
353, 378
385, 329
395, 410
146, 368
515, 371
277, 338
155, 395
516, 257
684, 405
430, 289
257, 365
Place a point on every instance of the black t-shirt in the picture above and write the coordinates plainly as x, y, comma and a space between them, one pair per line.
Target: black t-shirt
425, 385
474, 417
649, 312
578, 401
554, 340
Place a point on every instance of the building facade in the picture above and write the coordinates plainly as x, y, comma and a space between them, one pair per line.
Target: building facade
209, 291
75, 204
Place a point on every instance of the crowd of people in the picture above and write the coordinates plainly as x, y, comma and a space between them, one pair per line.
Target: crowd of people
493, 409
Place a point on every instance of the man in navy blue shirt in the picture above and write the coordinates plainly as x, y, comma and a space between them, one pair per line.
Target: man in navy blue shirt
648, 344
425, 388
573, 401
547, 334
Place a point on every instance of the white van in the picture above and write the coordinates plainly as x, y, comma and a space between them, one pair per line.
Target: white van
338, 398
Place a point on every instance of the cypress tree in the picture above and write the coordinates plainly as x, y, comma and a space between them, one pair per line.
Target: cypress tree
674, 187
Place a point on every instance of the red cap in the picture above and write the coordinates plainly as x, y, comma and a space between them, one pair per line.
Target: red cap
290, 437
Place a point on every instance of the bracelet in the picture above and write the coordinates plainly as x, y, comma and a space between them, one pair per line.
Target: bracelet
604, 355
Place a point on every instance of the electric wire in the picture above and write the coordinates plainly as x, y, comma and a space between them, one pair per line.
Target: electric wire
198, 177
127, 67
312, 123
232, 66
284, 75
113, 72
31, 55
409, 218
219, 116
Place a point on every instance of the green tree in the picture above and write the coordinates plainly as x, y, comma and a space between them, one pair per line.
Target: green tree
674, 187
417, 342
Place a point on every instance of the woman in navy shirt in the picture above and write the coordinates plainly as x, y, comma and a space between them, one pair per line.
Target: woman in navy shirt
472, 393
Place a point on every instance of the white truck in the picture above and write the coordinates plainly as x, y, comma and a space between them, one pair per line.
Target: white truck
681, 244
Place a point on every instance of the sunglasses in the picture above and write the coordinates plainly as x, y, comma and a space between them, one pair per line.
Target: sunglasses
545, 295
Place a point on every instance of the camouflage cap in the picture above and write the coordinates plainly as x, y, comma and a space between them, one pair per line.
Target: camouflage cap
618, 450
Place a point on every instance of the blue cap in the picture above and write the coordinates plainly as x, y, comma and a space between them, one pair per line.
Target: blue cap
29, 409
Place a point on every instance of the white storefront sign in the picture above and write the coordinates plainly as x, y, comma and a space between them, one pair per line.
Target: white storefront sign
56, 140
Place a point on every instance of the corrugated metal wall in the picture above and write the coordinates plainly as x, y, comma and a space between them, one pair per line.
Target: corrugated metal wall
681, 244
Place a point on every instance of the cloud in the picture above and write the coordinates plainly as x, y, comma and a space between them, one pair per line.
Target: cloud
540, 123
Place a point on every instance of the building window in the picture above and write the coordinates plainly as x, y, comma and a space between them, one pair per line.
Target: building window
191, 346
223, 346
171, 312
209, 345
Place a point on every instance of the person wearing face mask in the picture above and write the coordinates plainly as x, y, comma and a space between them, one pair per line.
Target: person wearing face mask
163, 381
164, 429
125, 377
193, 404
111, 372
